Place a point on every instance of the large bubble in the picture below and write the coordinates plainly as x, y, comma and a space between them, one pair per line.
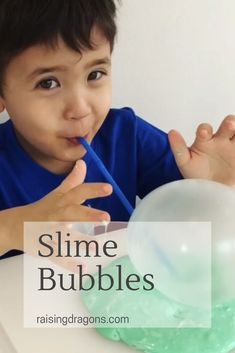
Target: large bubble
182, 250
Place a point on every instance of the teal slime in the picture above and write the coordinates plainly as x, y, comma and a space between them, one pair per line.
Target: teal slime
220, 338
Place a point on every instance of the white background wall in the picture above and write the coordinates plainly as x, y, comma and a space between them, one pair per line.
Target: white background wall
174, 61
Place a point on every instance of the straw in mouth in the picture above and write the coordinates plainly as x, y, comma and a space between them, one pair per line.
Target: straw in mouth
106, 174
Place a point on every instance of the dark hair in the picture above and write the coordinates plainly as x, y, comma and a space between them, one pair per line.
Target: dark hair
24, 23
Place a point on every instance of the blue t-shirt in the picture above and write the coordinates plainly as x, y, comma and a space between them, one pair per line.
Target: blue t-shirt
136, 154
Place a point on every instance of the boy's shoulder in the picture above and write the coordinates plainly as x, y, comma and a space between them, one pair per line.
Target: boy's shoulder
124, 119
4, 132
121, 124
7, 144
121, 115
11, 154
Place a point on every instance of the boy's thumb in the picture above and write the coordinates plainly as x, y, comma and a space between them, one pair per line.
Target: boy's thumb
74, 178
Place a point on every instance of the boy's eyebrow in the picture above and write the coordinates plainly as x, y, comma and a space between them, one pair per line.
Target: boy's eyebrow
103, 61
44, 70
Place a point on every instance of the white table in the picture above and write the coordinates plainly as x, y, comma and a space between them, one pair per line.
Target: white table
37, 340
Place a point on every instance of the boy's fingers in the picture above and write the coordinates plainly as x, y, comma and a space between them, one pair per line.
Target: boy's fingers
204, 132
179, 148
227, 128
84, 192
75, 177
75, 213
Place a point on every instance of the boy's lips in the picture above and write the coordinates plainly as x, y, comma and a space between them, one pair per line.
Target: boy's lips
75, 140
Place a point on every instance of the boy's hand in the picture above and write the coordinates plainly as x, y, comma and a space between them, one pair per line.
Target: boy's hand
211, 156
65, 202
62, 204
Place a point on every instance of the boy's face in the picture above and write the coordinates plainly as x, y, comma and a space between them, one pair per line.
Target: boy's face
55, 95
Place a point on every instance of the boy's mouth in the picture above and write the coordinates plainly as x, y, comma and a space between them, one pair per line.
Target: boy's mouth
75, 140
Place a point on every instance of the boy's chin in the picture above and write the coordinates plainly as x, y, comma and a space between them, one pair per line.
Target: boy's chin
72, 153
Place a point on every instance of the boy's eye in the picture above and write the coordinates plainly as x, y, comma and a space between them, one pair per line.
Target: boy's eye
48, 84
95, 75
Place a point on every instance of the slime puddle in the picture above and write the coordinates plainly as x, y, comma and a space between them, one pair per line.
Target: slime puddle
220, 338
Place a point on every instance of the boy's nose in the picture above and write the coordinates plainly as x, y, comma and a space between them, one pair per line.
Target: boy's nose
77, 106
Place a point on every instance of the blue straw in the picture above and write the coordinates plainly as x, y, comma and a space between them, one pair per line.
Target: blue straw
107, 175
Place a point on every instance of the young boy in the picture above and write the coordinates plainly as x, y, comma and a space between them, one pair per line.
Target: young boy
55, 83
